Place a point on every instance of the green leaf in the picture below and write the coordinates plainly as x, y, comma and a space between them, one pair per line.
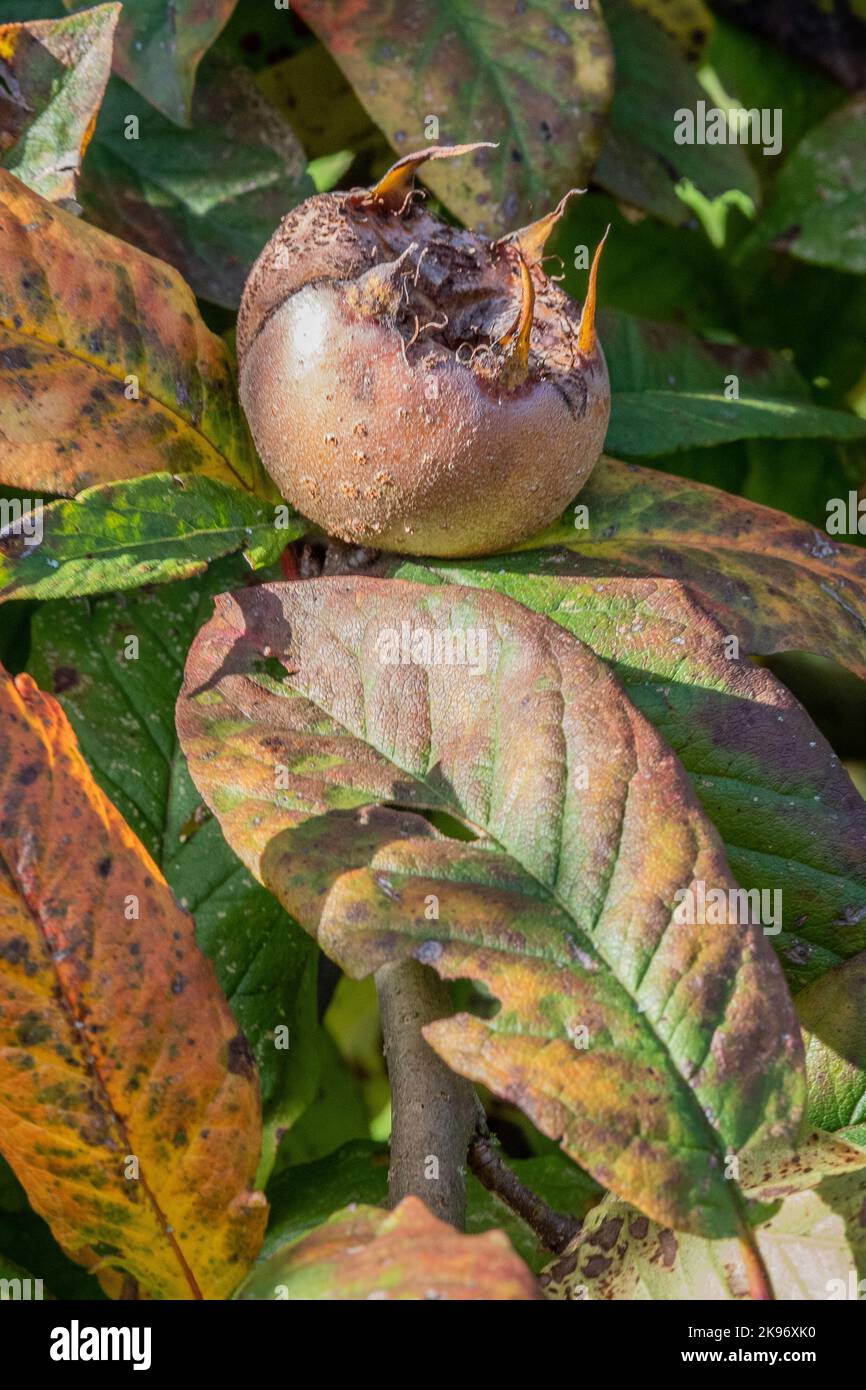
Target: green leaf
669, 392
55, 73
543, 99
757, 73
336, 1114
159, 46
810, 1241
818, 207
640, 162
563, 910
831, 1011
793, 824
776, 583
204, 199
145, 531
651, 423
26, 1240
122, 710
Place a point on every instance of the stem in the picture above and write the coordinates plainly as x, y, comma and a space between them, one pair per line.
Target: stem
760, 1285
433, 1111
554, 1229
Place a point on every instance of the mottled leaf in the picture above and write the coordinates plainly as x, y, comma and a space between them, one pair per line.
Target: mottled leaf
793, 823
364, 1252
779, 584
54, 75
147, 531
159, 46
615, 1031
206, 199
832, 1012
116, 1041
106, 368
122, 711
640, 162
810, 1245
818, 208
537, 82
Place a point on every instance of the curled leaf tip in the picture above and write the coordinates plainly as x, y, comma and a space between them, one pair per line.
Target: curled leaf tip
393, 188
532, 239
586, 331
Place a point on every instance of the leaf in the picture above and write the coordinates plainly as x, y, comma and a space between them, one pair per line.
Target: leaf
17, 1283
336, 1115
818, 205
831, 37
122, 712
86, 322
757, 73
688, 22
670, 389
26, 1239
831, 1011
147, 531
159, 46
564, 912
543, 99
793, 823
206, 199
644, 356
364, 1253
659, 422
54, 74
812, 1241
116, 1041
313, 94
778, 584
306, 1194
640, 162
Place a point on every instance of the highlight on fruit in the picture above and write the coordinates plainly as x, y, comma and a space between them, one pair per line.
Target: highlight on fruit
413, 386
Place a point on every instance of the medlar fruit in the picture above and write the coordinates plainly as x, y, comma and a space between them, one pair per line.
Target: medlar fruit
412, 386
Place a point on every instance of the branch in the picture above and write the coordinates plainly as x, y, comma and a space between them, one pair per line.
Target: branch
433, 1111
553, 1228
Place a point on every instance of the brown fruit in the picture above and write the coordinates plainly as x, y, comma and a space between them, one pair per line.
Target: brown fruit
412, 386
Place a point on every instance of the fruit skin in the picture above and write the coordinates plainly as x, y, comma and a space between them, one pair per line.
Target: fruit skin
354, 337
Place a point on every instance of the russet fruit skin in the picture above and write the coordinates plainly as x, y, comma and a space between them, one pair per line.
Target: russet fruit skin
411, 386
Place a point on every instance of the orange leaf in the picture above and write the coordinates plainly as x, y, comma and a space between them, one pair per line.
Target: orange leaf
115, 1041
